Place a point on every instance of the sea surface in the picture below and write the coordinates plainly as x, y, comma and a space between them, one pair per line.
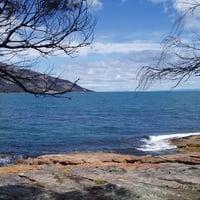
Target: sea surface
126, 122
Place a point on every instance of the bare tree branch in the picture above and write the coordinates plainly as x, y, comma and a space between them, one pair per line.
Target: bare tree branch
45, 26
179, 59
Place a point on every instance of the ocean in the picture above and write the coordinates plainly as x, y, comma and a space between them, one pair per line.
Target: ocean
123, 122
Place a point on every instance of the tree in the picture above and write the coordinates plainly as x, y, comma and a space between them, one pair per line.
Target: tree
179, 59
43, 26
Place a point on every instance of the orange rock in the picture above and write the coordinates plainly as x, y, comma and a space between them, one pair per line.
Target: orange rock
188, 144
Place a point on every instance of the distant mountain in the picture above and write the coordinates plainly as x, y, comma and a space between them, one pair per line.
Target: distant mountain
34, 81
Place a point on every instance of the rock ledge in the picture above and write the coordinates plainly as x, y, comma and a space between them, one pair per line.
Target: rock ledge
106, 176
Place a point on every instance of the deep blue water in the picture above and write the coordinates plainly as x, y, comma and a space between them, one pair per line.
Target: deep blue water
113, 122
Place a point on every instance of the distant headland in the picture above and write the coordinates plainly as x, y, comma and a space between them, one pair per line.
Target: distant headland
35, 81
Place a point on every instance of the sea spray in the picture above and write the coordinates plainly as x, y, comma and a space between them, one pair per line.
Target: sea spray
162, 142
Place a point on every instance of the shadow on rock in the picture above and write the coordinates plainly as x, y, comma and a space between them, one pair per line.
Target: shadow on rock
104, 192
110, 192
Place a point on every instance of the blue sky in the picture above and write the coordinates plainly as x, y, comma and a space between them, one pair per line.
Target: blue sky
127, 36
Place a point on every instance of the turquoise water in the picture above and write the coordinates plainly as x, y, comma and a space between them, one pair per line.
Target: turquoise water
112, 122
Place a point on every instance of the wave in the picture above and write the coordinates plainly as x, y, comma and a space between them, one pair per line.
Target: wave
161, 142
5, 160
8, 159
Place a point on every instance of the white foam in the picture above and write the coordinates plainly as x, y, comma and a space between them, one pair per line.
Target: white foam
161, 142
5, 160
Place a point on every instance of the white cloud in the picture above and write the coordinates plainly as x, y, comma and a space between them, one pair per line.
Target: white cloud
179, 5
192, 19
123, 1
127, 47
159, 1
110, 73
117, 74
183, 5
96, 4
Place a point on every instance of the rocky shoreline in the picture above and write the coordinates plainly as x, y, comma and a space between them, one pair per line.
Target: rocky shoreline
107, 176
187, 144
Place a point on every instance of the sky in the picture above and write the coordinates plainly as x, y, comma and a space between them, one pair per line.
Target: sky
127, 36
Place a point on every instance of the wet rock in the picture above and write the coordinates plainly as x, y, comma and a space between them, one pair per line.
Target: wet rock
187, 144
